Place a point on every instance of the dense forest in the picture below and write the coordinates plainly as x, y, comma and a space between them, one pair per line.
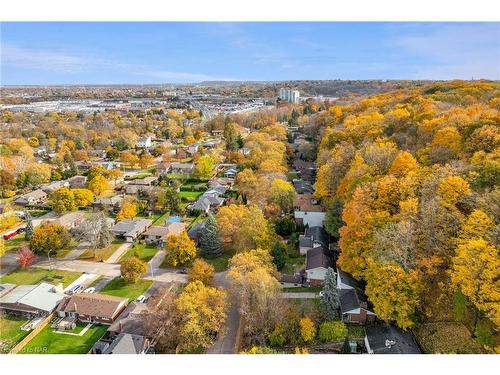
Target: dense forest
410, 179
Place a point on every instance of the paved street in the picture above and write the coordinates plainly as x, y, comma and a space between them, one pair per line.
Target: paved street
98, 268
227, 342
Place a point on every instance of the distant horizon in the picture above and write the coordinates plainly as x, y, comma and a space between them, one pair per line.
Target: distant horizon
138, 53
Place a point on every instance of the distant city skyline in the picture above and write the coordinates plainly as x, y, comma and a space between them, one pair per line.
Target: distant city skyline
160, 53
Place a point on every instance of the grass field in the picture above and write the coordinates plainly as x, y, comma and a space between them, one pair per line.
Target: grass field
10, 332
293, 264
15, 243
311, 289
101, 253
190, 194
220, 263
160, 219
30, 276
49, 342
143, 251
118, 287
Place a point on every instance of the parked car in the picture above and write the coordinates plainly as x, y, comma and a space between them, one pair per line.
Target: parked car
89, 290
10, 235
141, 299
75, 289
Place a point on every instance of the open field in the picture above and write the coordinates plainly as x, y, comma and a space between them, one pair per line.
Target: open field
118, 287
49, 342
10, 332
30, 276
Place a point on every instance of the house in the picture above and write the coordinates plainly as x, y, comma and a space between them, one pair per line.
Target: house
292, 281
133, 189
69, 220
144, 142
231, 172
77, 181
92, 307
53, 186
122, 343
353, 303
163, 168
202, 204
208, 200
109, 204
146, 181
308, 211
384, 338
318, 260
221, 181
313, 237
193, 148
36, 197
217, 132
131, 229
182, 168
31, 300
195, 232
302, 187
156, 234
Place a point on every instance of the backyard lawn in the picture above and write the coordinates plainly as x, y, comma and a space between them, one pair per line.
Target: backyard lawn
143, 251
220, 263
15, 243
31, 276
293, 264
101, 253
118, 287
49, 342
446, 337
190, 194
161, 218
10, 332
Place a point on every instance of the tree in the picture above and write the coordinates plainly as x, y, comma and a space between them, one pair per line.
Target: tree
63, 200
7, 183
278, 253
98, 185
230, 137
203, 312
277, 337
83, 197
29, 226
476, 271
180, 250
95, 230
204, 167
96, 170
168, 199
25, 257
146, 161
329, 302
284, 226
210, 242
333, 218
307, 330
132, 268
49, 238
332, 331
283, 194
202, 271
128, 211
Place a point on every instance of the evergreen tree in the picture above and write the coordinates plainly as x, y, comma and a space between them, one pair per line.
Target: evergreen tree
29, 225
278, 254
329, 302
210, 242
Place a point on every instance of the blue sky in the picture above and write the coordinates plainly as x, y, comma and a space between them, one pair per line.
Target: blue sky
113, 53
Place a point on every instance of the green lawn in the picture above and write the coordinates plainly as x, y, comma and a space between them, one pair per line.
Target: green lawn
160, 219
194, 186
312, 289
294, 264
143, 251
220, 263
30, 276
118, 287
15, 243
190, 194
101, 253
10, 332
49, 342
355, 332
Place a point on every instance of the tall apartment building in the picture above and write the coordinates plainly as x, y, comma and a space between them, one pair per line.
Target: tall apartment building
292, 96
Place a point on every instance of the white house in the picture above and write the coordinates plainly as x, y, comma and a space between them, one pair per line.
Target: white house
307, 211
318, 260
144, 142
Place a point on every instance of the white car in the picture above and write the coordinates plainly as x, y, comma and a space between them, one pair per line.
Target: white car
321, 293
141, 299
89, 290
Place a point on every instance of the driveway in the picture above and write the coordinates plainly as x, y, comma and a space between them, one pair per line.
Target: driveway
77, 251
119, 252
299, 295
166, 276
227, 342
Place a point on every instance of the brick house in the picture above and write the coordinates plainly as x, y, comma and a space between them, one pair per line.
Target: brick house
92, 307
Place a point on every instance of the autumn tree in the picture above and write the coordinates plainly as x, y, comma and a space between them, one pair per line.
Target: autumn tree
146, 160
63, 200
98, 185
204, 167
180, 250
307, 330
332, 331
96, 231
128, 211
201, 271
25, 257
283, 194
83, 197
203, 312
49, 238
132, 268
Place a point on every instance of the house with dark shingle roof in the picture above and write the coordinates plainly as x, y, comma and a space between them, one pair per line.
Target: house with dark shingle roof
313, 237
384, 338
353, 303
318, 260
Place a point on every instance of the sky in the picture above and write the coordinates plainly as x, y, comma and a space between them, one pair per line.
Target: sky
186, 52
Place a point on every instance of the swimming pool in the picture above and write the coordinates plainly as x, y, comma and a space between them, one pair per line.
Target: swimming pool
174, 219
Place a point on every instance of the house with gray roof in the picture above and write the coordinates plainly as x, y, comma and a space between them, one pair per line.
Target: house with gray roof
313, 237
32, 300
385, 338
318, 260
354, 307
35, 197
130, 229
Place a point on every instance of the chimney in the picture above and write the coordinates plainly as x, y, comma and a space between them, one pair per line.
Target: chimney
121, 326
364, 305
